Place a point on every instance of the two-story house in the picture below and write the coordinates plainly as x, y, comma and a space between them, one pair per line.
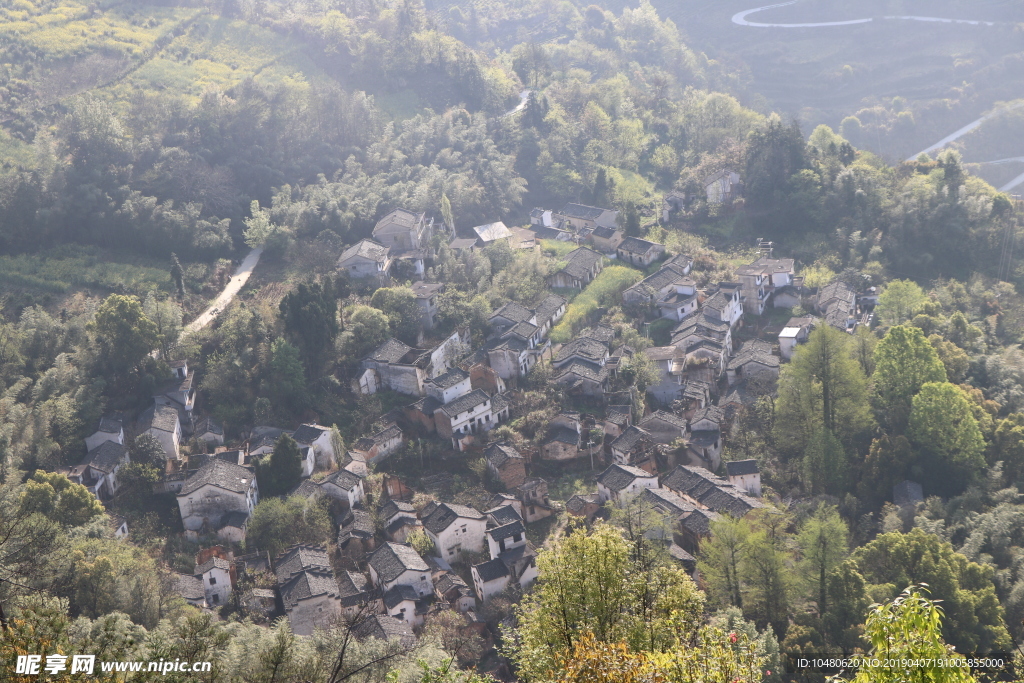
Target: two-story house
109, 429
393, 564
427, 300
582, 218
342, 485
704, 437
635, 447
513, 560
402, 230
318, 438
98, 470
213, 498
308, 587
755, 362
366, 259
455, 529
671, 364
744, 475
399, 367
215, 573
758, 280
722, 187
654, 287
472, 414
162, 422
619, 483
506, 464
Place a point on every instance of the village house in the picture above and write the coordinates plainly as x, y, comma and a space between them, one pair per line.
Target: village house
672, 203
405, 604
513, 561
580, 217
663, 427
395, 365
725, 305
696, 395
616, 419
654, 287
722, 187
214, 497
671, 364
533, 494
357, 595
366, 259
461, 244
564, 439
469, 415
98, 470
308, 588
400, 520
606, 239
510, 315
638, 252
215, 573
701, 488
427, 295
670, 505
402, 230
109, 429
548, 312
582, 378
517, 350
705, 339
619, 483
355, 532
384, 441
394, 564
343, 486
744, 475
178, 391
837, 303
490, 233
758, 281
523, 238
191, 589
455, 529
318, 438
796, 332
506, 464
449, 587
585, 505
581, 266
704, 441
385, 627
540, 217
635, 447
446, 387
681, 300
755, 361
583, 349
162, 422
263, 438
210, 432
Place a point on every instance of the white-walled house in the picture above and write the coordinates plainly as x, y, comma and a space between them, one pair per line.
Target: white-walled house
218, 493
309, 590
215, 574
109, 429
620, 482
98, 470
394, 564
454, 529
162, 422
344, 486
745, 475
318, 438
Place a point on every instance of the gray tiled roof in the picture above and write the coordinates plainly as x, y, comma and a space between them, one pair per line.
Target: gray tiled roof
618, 477
604, 232
580, 261
755, 351
585, 348
358, 523
385, 627
425, 290
398, 594
109, 425
308, 433
506, 530
221, 474
582, 212
394, 507
513, 311
504, 514
699, 521
491, 570
446, 514
160, 417
665, 416
367, 249
635, 245
449, 379
235, 518
306, 584
105, 457
523, 330
391, 351
343, 479
711, 412
391, 560
666, 501
352, 583
564, 435
738, 468
578, 503
499, 453
580, 368
298, 558
190, 587
465, 403
307, 488
402, 218
548, 306
632, 437
209, 425
492, 231
211, 563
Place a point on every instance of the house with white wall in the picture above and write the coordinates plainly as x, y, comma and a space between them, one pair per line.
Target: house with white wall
455, 529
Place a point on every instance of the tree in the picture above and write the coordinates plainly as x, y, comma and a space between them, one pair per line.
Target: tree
166, 315
890, 460
630, 220
974, 618
941, 424
721, 557
954, 359
310, 316
57, 497
366, 330
403, 312
640, 371
766, 571
282, 471
904, 361
825, 464
909, 631
420, 541
899, 301
258, 227
847, 603
589, 582
823, 387
178, 276
278, 523
125, 334
823, 539
287, 381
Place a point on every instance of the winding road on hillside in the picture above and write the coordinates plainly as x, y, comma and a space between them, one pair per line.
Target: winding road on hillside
740, 18
524, 97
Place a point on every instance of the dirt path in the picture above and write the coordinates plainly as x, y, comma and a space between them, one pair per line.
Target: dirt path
524, 96
740, 18
238, 280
